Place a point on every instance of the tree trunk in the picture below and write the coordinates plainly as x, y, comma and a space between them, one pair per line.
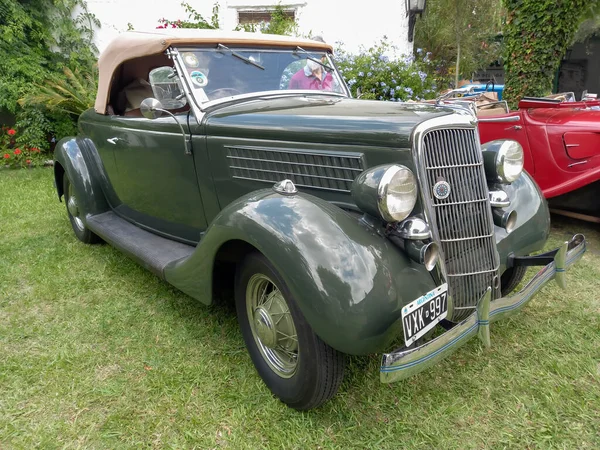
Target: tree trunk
456, 77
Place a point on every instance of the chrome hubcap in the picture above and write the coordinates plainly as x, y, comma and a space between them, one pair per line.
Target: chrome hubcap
272, 325
265, 328
72, 205
73, 209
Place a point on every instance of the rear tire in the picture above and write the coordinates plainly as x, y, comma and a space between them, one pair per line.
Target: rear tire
295, 364
511, 278
83, 233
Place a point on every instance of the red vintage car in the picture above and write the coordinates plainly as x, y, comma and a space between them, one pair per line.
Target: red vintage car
561, 146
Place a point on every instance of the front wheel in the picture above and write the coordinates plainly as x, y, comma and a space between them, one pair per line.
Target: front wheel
511, 278
295, 364
83, 233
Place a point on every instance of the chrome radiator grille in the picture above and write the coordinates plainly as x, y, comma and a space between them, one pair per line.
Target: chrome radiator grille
463, 218
306, 168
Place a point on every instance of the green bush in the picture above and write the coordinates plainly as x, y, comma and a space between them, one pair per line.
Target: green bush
536, 36
373, 74
40, 42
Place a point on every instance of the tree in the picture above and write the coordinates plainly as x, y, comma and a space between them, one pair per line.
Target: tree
194, 20
39, 41
460, 34
536, 36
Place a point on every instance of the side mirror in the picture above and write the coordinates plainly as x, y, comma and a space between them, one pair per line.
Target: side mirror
151, 108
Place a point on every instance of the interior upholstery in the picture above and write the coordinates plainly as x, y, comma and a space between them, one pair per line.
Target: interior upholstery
130, 84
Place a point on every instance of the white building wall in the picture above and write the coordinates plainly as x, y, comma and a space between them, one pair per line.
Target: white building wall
352, 24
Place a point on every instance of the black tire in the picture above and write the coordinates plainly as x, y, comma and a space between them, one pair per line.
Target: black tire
511, 278
83, 233
318, 369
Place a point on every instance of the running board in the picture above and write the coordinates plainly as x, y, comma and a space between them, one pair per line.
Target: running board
151, 251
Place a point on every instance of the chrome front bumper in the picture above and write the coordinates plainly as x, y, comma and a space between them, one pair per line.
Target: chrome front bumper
402, 364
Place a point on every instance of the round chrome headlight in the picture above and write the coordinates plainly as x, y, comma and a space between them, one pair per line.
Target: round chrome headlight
388, 191
509, 161
503, 160
396, 194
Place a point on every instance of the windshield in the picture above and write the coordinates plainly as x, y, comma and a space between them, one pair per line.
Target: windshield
225, 72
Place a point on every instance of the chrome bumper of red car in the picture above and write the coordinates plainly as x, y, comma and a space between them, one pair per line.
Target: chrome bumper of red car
402, 364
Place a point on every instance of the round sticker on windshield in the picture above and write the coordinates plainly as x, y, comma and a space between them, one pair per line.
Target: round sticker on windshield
191, 60
198, 78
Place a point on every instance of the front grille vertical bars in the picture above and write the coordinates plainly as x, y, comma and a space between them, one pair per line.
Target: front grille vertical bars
463, 223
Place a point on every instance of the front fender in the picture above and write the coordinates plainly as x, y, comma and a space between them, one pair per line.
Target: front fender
533, 220
349, 281
70, 153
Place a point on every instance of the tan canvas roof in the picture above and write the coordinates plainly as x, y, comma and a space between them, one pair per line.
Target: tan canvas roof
134, 44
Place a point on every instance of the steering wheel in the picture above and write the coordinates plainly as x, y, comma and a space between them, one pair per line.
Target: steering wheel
223, 92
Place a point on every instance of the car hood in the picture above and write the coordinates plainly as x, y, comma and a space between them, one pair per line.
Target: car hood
322, 119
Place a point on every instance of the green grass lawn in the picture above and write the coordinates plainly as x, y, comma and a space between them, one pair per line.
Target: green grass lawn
97, 352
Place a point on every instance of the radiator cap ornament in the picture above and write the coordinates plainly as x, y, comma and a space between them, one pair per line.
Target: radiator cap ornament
441, 189
285, 187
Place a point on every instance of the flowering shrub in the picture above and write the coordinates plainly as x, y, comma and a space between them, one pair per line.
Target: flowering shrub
376, 76
12, 155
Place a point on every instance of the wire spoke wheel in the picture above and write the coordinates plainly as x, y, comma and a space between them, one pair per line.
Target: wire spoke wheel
76, 214
295, 364
73, 208
272, 325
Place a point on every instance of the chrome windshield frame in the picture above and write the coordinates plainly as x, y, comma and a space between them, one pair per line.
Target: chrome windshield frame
199, 108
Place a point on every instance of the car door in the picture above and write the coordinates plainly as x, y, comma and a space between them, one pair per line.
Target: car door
152, 176
507, 126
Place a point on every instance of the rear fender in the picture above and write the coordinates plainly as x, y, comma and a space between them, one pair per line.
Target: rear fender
349, 281
75, 157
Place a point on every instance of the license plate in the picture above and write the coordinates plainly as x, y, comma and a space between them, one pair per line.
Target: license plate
422, 314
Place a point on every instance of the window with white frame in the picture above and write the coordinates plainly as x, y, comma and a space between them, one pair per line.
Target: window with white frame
254, 17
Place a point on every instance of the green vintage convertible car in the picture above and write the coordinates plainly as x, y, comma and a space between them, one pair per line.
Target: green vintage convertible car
342, 226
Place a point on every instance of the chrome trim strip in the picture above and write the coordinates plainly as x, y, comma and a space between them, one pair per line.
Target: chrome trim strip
290, 173
402, 364
308, 151
296, 184
185, 83
470, 238
245, 158
273, 94
452, 167
467, 202
500, 119
577, 163
470, 273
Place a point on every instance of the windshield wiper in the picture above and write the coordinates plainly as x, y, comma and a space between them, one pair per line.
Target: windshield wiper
239, 56
308, 56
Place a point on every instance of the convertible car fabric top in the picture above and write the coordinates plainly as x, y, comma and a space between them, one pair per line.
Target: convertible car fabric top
134, 44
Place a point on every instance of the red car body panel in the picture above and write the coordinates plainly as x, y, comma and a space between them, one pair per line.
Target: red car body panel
561, 142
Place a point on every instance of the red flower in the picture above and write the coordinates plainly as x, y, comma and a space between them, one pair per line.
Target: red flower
17, 151
28, 161
6, 156
11, 132
35, 149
